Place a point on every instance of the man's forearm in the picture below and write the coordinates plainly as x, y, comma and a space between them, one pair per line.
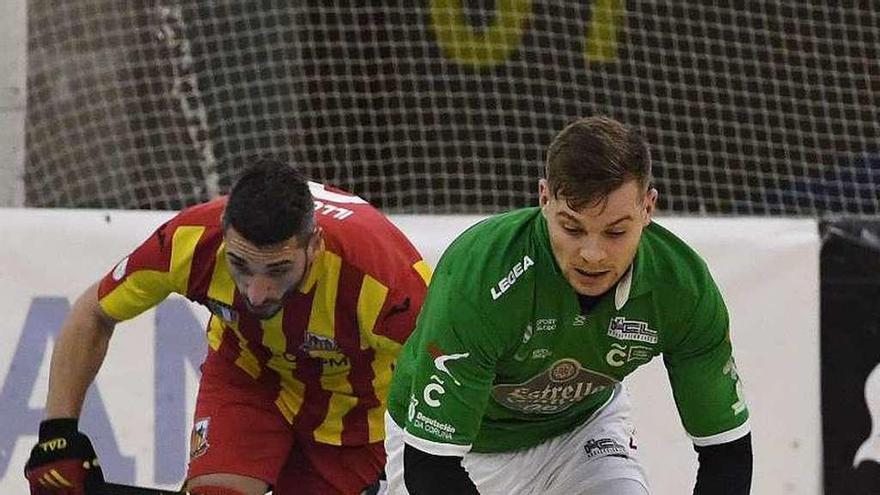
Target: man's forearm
725, 469
78, 354
427, 474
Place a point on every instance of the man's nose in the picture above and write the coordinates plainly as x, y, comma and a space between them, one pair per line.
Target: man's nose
259, 289
592, 250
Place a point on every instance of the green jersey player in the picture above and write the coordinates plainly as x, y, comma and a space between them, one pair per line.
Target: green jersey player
511, 382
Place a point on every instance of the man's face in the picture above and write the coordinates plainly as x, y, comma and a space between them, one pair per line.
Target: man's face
267, 275
596, 245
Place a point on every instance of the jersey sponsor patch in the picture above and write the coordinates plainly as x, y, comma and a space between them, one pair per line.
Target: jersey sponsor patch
730, 370
434, 390
315, 342
426, 423
334, 362
622, 329
545, 324
541, 353
441, 359
438, 429
198, 440
621, 354
554, 390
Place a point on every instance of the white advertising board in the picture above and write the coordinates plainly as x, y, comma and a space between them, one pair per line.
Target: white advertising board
138, 412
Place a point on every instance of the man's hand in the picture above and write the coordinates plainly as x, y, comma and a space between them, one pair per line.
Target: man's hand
63, 462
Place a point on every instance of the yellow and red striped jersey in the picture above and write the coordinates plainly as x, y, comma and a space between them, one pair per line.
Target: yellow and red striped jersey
329, 351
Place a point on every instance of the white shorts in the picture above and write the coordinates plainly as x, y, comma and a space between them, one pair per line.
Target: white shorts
600, 450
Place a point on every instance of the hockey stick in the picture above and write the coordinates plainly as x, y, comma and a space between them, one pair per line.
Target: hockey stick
117, 489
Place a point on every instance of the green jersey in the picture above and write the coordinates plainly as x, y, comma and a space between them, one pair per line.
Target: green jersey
504, 357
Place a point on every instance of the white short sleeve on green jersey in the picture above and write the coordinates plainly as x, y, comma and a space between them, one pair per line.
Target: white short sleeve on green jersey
503, 357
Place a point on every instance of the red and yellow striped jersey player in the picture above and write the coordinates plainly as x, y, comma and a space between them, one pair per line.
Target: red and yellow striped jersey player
311, 292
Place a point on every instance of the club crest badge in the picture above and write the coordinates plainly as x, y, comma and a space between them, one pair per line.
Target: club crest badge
198, 440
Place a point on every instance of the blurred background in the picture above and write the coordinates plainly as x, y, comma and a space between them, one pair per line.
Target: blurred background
753, 108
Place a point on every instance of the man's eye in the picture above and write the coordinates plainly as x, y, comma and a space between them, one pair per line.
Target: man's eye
570, 229
277, 273
615, 233
239, 267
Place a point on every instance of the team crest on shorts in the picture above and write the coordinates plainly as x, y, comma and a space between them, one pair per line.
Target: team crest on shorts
198, 440
596, 447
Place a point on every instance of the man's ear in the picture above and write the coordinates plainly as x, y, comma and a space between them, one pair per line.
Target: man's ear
315, 241
543, 193
650, 205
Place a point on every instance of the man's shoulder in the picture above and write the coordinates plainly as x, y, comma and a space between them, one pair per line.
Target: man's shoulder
362, 236
486, 261
177, 257
670, 261
196, 227
207, 214
496, 232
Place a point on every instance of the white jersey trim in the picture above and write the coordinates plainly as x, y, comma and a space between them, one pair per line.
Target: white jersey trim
621, 294
724, 437
319, 192
435, 448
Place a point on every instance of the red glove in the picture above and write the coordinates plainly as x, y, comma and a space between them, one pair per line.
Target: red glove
63, 462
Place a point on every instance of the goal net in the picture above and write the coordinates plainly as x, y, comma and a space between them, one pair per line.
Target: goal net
755, 108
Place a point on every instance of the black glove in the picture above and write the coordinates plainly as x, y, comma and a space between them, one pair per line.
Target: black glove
63, 462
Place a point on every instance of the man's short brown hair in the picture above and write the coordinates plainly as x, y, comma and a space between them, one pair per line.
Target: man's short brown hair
592, 157
270, 203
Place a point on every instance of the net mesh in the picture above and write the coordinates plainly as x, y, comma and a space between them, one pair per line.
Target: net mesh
756, 108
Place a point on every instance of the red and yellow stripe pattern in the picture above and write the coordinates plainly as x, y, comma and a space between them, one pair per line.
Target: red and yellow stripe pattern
328, 353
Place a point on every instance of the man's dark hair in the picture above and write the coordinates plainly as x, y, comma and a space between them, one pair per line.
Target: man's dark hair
270, 203
592, 157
